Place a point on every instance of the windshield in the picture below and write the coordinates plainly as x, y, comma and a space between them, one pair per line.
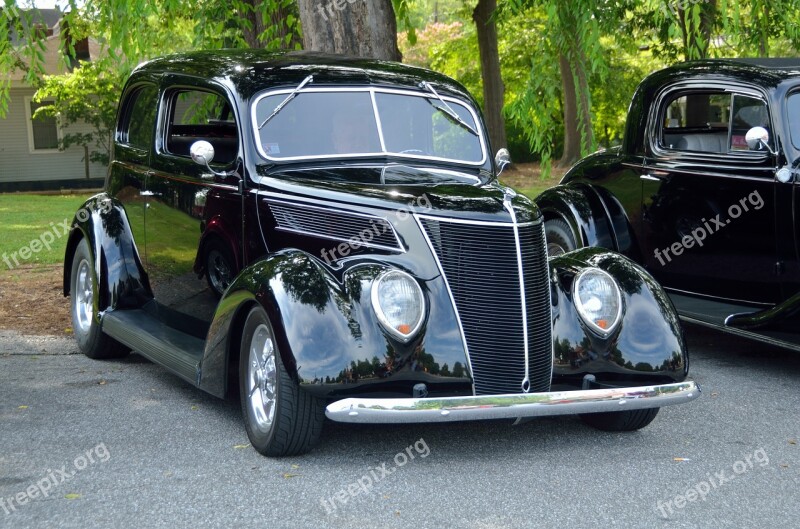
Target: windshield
324, 123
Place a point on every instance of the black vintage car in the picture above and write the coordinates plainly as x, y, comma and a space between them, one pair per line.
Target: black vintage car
327, 236
703, 192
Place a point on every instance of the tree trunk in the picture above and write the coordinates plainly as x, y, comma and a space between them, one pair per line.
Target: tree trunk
577, 112
361, 28
696, 42
493, 88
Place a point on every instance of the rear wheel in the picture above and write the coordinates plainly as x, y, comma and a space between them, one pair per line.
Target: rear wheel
219, 267
620, 421
85, 325
560, 239
280, 418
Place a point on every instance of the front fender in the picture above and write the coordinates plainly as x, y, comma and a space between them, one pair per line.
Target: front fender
329, 337
648, 345
102, 221
583, 210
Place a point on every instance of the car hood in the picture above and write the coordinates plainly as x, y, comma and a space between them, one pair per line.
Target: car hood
427, 191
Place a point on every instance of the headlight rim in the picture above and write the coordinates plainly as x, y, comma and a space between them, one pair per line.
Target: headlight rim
580, 276
378, 310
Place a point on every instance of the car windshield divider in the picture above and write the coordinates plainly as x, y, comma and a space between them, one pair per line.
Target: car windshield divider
283, 103
447, 110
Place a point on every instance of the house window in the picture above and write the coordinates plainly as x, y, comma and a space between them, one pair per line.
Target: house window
43, 132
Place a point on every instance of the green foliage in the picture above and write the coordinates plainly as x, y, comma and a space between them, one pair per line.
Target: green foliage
86, 95
134, 30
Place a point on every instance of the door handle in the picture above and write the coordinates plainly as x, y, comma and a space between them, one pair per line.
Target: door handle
651, 178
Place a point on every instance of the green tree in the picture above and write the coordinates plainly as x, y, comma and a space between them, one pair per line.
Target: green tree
134, 31
87, 95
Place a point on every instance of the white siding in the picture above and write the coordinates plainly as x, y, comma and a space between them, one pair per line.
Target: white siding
19, 164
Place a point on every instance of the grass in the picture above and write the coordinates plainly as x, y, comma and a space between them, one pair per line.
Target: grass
28, 217
28, 220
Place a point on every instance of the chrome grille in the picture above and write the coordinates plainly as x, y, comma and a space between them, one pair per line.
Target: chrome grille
342, 226
479, 262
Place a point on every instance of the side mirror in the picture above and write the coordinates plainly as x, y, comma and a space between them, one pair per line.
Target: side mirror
502, 159
202, 152
757, 139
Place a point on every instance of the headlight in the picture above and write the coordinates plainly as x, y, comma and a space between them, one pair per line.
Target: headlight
399, 304
598, 300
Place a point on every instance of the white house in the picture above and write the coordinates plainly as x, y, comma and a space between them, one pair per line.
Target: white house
29, 154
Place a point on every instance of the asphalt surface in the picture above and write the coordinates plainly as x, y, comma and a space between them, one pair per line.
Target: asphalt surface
122, 444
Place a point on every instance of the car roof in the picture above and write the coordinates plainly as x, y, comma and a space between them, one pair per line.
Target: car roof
762, 71
252, 71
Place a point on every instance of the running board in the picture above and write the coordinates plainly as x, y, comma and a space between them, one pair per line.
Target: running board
144, 333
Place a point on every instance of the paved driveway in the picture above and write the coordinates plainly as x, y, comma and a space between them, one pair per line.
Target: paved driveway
125, 444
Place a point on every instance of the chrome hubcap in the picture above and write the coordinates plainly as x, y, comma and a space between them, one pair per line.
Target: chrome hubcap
218, 271
555, 249
83, 297
262, 377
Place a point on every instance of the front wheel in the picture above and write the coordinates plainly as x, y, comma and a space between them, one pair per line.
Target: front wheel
85, 325
620, 421
280, 418
560, 239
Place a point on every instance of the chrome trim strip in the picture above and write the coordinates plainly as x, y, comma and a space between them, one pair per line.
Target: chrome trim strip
479, 222
449, 293
525, 385
448, 409
372, 90
377, 119
398, 248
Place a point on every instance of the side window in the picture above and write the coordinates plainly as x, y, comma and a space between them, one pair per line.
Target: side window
748, 112
138, 123
194, 115
696, 122
711, 122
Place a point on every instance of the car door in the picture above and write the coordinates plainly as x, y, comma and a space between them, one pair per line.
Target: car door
181, 193
132, 148
708, 202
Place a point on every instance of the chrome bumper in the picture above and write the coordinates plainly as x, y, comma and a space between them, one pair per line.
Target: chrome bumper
409, 410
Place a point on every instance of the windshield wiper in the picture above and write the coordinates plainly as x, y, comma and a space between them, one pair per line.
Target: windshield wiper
285, 101
446, 109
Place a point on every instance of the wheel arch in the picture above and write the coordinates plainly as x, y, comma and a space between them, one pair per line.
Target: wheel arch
584, 211
103, 223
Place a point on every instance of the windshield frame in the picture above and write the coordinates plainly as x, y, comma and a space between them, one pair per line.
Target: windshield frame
371, 90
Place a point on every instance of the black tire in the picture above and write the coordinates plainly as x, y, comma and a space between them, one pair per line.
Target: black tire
280, 418
620, 421
220, 267
85, 325
560, 239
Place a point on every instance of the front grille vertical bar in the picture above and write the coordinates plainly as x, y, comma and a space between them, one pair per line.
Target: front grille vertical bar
452, 299
526, 382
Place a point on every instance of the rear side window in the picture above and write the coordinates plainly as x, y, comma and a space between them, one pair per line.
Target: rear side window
138, 123
711, 122
194, 115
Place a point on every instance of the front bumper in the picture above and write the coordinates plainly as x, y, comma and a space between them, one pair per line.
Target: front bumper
446, 409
